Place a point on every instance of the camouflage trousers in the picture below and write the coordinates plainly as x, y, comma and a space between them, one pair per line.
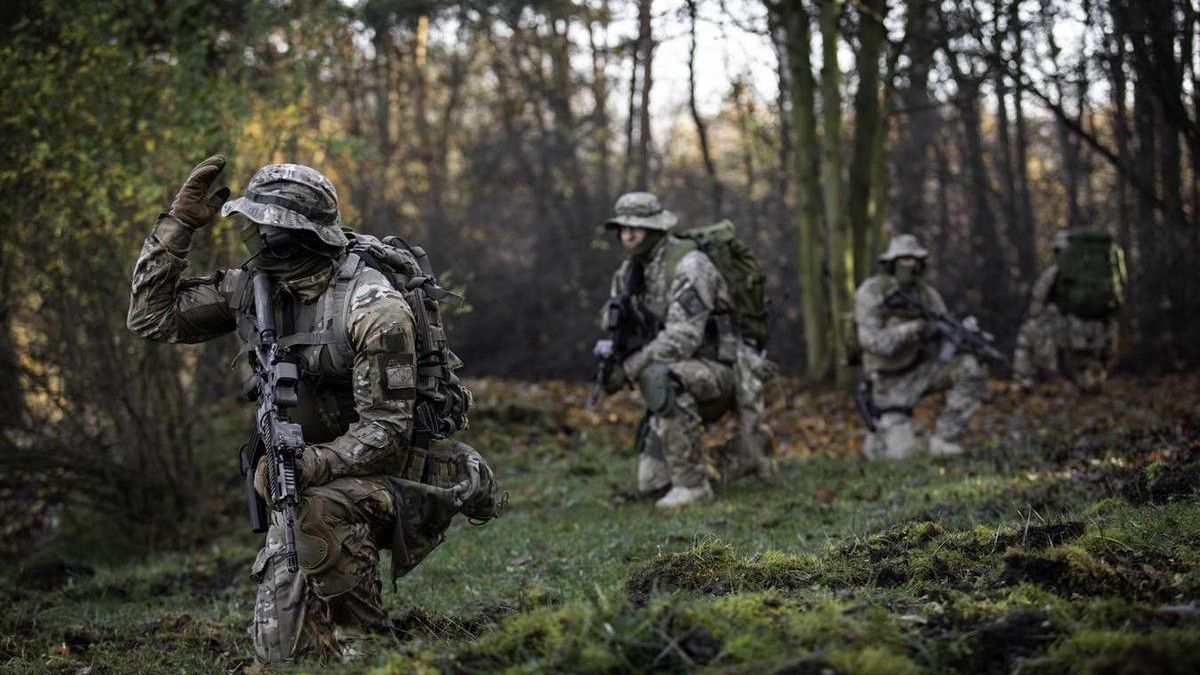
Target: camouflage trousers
336, 594
895, 397
335, 597
1054, 345
670, 449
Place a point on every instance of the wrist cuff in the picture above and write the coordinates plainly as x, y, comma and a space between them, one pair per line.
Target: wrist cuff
173, 234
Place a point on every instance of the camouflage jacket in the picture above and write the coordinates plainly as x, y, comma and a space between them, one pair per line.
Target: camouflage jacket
373, 427
889, 337
683, 289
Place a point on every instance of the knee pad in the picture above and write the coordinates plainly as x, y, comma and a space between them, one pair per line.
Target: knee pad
318, 547
659, 388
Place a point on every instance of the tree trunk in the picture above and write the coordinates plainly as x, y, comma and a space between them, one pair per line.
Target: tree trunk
868, 127
710, 168
646, 47
838, 237
797, 25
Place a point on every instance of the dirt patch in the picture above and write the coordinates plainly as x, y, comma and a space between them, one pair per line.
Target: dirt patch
1162, 483
999, 645
1038, 537
52, 575
419, 623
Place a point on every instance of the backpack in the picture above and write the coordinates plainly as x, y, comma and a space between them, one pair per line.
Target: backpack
742, 271
442, 401
1091, 275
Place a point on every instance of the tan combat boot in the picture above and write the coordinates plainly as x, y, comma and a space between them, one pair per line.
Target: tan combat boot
682, 496
940, 447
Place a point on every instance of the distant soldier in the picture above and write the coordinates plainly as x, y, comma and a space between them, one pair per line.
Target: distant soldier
1070, 329
371, 472
680, 344
905, 357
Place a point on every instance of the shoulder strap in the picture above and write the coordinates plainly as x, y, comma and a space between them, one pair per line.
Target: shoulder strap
679, 247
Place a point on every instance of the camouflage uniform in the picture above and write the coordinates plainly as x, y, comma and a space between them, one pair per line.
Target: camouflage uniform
682, 296
1052, 344
902, 367
356, 412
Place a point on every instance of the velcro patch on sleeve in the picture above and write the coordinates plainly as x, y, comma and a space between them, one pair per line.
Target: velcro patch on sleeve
396, 374
691, 301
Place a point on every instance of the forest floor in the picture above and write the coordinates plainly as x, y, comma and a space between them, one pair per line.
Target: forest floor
1066, 540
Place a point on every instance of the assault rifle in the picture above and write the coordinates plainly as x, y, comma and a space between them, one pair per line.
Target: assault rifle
622, 326
279, 438
959, 336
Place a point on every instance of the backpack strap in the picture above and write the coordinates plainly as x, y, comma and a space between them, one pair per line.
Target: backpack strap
333, 321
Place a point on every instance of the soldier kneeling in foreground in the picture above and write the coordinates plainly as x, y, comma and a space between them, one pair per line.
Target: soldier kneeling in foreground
349, 449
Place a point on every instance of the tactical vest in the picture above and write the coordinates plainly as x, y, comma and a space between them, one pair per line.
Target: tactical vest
316, 335
911, 355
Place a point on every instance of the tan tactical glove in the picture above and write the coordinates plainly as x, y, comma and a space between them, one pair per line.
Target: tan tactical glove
193, 206
306, 470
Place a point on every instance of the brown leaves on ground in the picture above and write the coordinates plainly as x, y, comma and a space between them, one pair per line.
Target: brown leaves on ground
807, 420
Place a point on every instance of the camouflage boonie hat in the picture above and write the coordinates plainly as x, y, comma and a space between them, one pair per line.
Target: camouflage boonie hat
641, 209
293, 197
903, 246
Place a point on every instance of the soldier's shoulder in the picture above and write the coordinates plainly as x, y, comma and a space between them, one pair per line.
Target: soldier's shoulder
875, 286
696, 263
371, 292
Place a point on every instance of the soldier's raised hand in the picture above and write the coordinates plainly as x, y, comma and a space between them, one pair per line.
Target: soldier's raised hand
193, 205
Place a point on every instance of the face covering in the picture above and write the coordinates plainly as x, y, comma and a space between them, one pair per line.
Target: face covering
644, 249
908, 275
303, 271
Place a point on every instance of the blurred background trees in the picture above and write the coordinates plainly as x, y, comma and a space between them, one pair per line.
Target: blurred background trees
499, 133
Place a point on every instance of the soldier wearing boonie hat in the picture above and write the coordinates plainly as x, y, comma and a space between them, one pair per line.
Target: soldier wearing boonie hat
900, 357
684, 370
352, 334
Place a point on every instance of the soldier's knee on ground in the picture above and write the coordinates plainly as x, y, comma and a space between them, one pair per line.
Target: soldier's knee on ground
659, 388
896, 431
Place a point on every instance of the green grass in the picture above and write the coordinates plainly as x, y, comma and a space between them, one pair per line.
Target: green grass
1055, 555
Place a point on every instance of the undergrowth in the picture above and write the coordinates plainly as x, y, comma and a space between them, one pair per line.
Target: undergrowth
1072, 551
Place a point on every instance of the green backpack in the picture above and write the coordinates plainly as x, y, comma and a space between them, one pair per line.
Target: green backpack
742, 271
1091, 275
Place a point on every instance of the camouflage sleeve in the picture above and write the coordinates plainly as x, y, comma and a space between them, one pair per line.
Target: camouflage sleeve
167, 308
873, 335
380, 325
1042, 288
694, 293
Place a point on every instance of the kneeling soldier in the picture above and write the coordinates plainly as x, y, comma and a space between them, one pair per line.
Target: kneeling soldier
904, 357
349, 337
686, 366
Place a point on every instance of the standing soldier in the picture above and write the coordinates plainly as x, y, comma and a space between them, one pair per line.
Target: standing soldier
691, 363
350, 335
905, 357
1070, 329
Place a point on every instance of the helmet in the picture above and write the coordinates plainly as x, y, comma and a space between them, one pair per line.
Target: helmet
292, 197
641, 209
1061, 238
903, 246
